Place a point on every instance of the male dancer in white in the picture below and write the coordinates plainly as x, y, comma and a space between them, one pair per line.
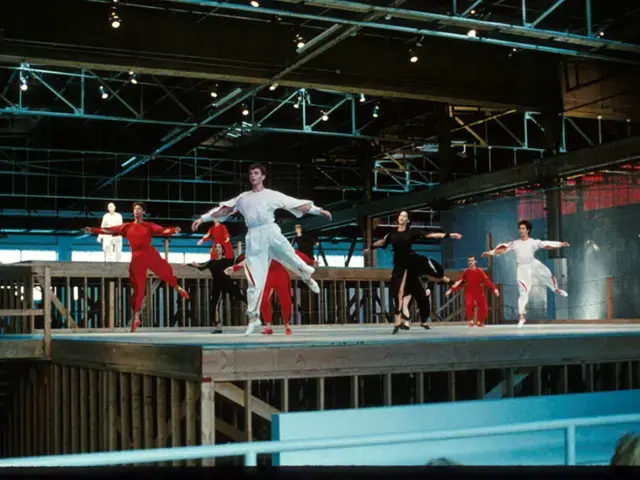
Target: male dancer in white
527, 264
111, 244
265, 241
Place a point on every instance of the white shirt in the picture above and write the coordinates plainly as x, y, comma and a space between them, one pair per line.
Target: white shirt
258, 208
526, 249
110, 220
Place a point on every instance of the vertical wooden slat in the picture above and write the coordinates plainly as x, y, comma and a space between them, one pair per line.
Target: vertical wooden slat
112, 304
147, 392
161, 411
190, 417
46, 305
207, 418
84, 411
125, 411
451, 377
481, 389
176, 440
537, 381
420, 387
136, 412
48, 408
386, 389
112, 390
74, 410
285, 395
508, 383
355, 391
183, 305
248, 411
67, 320
85, 304
321, 393
64, 406
120, 300
42, 408
564, 379
104, 410
629, 376
57, 407
23, 412
28, 420
102, 303
94, 406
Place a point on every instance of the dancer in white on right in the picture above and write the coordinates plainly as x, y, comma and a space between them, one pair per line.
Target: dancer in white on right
528, 266
265, 241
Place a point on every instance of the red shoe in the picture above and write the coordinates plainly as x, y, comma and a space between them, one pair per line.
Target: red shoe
472, 324
267, 331
183, 293
136, 324
288, 330
480, 324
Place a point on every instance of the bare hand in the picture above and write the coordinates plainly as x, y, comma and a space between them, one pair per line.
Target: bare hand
565, 244
485, 254
455, 236
178, 230
447, 293
87, 230
196, 224
200, 242
366, 251
326, 213
228, 271
496, 293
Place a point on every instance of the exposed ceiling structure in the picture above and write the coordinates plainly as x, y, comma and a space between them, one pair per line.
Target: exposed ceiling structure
334, 97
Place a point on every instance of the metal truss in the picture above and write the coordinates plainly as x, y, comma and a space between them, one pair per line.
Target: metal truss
586, 43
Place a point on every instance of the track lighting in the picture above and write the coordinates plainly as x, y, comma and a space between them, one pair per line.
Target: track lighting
299, 41
472, 34
325, 116
362, 98
413, 56
103, 93
132, 77
273, 86
24, 85
254, 3
245, 110
214, 91
376, 111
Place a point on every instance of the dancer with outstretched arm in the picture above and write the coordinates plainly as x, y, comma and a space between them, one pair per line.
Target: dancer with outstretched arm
408, 266
278, 282
218, 234
264, 239
220, 283
473, 280
143, 256
528, 267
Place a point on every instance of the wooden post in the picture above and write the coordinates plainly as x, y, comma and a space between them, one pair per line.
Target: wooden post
46, 303
136, 412
386, 390
610, 299
207, 417
321, 393
355, 391
190, 416
125, 411
84, 412
166, 249
248, 412
112, 305
147, 393
176, 437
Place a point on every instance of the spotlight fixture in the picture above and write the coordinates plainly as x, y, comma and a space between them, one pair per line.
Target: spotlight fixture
273, 86
254, 3
297, 104
413, 56
376, 111
103, 93
214, 91
24, 86
245, 110
114, 19
132, 77
601, 33
325, 116
472, 12
472, 33
362, 98
299, 41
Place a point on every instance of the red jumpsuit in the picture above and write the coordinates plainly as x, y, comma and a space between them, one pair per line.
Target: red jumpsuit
143, 256
219, 234
472, 281
278, 281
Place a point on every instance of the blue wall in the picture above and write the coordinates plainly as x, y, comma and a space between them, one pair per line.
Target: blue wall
595, 445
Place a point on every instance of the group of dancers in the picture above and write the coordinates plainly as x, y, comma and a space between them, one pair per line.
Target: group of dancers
269, 255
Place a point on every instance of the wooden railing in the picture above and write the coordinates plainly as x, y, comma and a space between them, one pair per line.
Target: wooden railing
96, 295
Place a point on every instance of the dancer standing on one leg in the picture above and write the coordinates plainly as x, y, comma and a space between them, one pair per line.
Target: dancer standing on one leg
473, 281
143, 256
408, 266
528, 266
264, 239
278, 282
220, 283
218, 234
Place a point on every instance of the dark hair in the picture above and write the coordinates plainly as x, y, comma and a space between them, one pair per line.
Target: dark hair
527, 225
471, 256
627, 451
299, 226
258, 166
139, 204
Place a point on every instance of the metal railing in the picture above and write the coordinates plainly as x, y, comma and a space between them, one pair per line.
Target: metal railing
251, 450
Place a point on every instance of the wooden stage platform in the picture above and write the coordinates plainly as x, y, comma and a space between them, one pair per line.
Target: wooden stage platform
330, 351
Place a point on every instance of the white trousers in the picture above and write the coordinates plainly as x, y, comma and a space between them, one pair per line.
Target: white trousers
526, 273
112, 247
266, 243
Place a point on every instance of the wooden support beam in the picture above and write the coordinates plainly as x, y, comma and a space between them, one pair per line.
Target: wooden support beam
237, 395
207, 417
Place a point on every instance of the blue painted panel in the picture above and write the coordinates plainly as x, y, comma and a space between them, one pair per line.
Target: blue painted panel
595, 445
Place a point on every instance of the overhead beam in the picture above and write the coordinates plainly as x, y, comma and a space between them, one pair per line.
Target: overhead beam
574, 163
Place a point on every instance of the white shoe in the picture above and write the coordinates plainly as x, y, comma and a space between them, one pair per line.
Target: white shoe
562, 293
521, 322
251, 327
313, 285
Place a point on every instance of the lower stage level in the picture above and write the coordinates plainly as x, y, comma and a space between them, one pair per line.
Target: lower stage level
332, 350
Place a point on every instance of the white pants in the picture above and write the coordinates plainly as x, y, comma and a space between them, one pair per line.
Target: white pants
526, 273
112, 247
266, 243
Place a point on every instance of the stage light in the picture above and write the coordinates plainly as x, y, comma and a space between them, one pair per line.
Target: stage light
376, 111
472, 34
299, 41
273, 86
413, 56
24, 85
245, 110
255, 3
362, 98
132, 78
115, 19
325, 116
103, 93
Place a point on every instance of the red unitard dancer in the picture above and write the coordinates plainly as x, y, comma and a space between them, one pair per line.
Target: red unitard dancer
278, 281
473, 281
218, 233
143, 256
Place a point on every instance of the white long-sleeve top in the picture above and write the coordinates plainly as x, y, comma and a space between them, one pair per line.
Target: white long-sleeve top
110, 220
526, 249
258, 208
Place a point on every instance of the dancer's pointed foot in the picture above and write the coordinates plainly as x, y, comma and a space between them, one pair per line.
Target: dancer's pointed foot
425, 325
267, 330
522, 321
136, 323
252, 325
183, 293
562, 293
217, 330
287, 330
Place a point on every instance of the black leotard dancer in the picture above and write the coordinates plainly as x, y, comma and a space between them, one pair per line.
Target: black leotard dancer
221, 283
408, 267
